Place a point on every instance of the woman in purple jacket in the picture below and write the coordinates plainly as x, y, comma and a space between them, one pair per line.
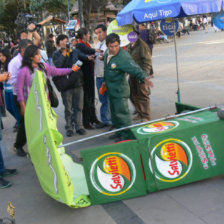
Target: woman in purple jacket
30, 64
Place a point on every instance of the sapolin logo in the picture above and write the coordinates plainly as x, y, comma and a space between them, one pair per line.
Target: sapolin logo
158, 127
113, 174
171, 160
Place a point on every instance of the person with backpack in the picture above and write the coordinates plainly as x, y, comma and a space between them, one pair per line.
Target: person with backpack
149, 36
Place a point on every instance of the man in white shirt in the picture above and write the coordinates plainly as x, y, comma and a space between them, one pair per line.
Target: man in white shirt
101, 32
16, 62
13, 68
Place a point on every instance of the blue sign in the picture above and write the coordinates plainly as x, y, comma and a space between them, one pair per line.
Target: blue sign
71, 24
218, 20
167, 27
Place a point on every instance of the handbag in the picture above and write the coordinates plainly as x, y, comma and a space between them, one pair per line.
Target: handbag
70, 81
52, 95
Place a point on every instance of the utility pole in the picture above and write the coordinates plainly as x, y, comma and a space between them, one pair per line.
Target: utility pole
68, 10
81, 13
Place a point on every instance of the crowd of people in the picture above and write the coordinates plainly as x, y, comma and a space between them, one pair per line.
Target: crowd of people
107, 64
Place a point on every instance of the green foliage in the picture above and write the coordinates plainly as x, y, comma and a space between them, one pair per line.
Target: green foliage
53, 6
8, 13
2, 7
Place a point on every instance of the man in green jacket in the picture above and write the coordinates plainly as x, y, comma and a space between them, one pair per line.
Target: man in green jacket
117, 63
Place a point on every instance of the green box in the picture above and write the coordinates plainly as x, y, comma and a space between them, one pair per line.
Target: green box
114, 172
189, 149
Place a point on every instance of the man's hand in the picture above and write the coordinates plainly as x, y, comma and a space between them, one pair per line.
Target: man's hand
91, 57
98, 50
22, 108
5, 76
149, 82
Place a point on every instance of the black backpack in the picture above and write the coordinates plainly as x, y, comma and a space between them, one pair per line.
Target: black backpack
152, 35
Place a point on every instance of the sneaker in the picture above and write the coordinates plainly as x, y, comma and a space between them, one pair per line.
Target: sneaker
9, 172
69, 133
20, 152
4, 183
81, 131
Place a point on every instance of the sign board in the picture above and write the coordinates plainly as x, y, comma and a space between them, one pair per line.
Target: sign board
71, 24
218, 20
167, 27
124, 32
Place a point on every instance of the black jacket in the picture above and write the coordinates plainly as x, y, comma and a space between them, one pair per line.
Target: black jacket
61, 61
87, 67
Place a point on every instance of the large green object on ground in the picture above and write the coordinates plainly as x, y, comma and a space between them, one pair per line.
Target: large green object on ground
168, 153
59, 176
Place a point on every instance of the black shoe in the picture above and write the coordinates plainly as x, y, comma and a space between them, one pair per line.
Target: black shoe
111, 128
69, 133
81, 131
89, 126
121, 139
101, 125
9, 172
4, 183
20, 152
113, 137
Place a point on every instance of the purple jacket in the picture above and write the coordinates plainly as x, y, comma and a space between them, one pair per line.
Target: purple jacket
25, 79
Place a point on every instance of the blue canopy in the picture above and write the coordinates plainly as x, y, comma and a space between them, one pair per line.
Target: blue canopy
151, 10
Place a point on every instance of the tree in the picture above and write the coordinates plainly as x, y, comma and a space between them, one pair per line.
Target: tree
52, 6
9, 10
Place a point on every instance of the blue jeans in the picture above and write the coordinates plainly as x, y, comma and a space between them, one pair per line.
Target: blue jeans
2, 166
11, 106
104, 109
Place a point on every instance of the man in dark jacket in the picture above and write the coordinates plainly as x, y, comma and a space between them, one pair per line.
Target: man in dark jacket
141, 54
73, 96
118, 62
50, 47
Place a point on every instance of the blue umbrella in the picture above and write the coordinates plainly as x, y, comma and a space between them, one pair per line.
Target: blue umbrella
150, 10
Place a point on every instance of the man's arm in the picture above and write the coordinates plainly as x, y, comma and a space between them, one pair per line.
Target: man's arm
86, 50
33, 35
133, 69
129, 66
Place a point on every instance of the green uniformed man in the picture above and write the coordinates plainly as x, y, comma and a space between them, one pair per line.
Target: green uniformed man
117, 63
